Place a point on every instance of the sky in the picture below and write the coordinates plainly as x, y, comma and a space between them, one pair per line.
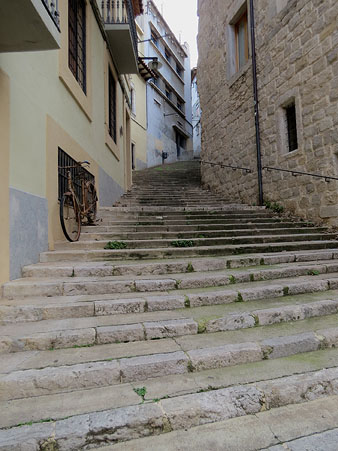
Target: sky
181, 16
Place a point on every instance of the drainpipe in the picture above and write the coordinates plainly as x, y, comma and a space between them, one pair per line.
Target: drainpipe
256, 107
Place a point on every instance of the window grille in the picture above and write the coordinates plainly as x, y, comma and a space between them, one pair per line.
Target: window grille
65, 160
77, 41
112, 106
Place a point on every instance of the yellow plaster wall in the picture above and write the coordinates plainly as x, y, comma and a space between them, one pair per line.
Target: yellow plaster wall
139, 119
4, 175
38, 89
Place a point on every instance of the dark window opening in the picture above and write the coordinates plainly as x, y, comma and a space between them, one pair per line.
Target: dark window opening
168, 92
77, 41
179, 70
167, 55
291, 126
65, 160
180, 105
112, 106
154, 38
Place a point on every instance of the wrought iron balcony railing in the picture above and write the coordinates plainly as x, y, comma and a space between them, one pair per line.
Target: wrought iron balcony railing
52, 6
120, 12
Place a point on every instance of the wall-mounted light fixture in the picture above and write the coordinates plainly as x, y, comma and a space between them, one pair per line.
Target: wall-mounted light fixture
155, 64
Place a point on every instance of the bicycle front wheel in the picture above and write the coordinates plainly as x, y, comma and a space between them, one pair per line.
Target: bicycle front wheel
70, 217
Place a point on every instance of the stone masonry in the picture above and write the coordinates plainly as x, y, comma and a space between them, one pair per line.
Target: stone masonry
297, 60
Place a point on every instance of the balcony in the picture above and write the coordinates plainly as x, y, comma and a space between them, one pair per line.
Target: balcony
29, 25
119, 23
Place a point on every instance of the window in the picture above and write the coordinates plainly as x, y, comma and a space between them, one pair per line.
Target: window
167, 55
183, 142
168, 92
133, 100
77, 41
179, 70
180, 105
154, 38
242, 43
290, 112
112, 106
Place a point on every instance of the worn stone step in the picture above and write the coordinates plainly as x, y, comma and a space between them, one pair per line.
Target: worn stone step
293, 427
97, 399
144, 221
71, 286
187, 228
107, 236
107, 269
100, 331
122, 309
101, 269
199, 242
166, 415
153, 253
228, 349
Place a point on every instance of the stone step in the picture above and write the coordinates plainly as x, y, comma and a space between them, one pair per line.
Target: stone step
72, 286
17, 410
153, 253
199, 242
221, 208
105, 330
193, 222
179, 413
134, 227
209, 351
106, 236
144, 307
149, 216
61, 405
299, 431
106, 269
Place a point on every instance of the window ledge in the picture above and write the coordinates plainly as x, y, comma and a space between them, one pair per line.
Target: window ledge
240, 73
289, 155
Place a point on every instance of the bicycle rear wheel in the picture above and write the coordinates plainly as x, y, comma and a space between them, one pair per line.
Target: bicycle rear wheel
70, 217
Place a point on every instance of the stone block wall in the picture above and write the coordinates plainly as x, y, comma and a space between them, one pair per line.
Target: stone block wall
297, 60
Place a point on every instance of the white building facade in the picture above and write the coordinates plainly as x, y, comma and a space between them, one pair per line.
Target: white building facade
169, 108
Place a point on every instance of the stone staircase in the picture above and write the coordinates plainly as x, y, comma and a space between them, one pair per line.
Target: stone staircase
208, 325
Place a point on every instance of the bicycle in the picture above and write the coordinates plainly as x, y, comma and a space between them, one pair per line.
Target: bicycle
72, 210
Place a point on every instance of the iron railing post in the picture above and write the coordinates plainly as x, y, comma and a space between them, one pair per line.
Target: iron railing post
256, 105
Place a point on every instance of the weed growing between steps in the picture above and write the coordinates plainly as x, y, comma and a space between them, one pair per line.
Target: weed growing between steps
313, 272
190, 268
274, 206
182, 243
141, 391
232, 279
116, 245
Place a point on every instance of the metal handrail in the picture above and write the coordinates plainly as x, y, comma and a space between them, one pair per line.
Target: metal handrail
222, 165
296, 173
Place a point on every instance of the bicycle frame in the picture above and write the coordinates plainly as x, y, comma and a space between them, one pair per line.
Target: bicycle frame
85, 206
